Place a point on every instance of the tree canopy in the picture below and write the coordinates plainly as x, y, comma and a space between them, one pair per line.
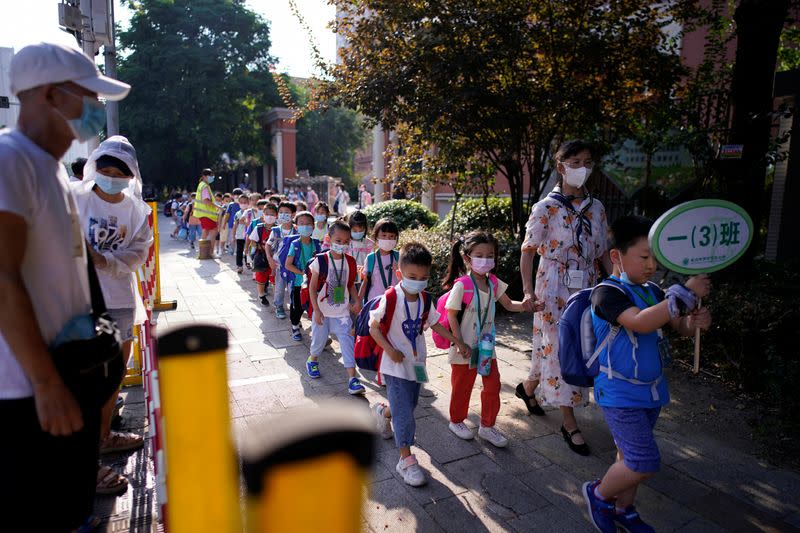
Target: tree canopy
500, 82
199, 71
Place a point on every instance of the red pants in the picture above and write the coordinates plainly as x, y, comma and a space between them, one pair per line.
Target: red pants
462, 380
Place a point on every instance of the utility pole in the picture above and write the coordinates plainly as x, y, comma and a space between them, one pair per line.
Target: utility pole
110, 53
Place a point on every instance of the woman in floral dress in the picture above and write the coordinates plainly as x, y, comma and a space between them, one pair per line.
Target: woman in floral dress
568, 229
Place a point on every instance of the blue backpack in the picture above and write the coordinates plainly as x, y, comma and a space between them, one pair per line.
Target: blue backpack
286, 247
578, 350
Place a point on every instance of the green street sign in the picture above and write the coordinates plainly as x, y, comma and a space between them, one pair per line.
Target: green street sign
701, 236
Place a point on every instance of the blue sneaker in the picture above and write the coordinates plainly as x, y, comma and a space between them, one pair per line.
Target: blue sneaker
631, 522
280, 312
312, 367
600, 512
355, 387
297, 335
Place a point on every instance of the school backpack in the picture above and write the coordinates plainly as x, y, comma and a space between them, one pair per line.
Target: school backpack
368, 352
578, 352
322, 259
469, 293
370, 266
286, 247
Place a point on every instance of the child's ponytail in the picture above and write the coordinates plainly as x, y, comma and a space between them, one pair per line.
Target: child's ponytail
456, 268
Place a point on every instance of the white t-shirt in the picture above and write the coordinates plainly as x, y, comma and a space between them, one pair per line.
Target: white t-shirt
360, 249
389, 265
121, 233
470, 318
325, 295
398, 339
34, 186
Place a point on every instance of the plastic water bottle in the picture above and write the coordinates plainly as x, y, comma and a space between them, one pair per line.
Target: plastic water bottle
485, 352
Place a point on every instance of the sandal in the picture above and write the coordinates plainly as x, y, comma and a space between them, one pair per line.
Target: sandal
530, 401
580, 449
109, 482
121, 442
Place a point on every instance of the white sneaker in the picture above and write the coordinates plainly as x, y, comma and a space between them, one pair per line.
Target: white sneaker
493, 436
409, 469
384, 424
461, 430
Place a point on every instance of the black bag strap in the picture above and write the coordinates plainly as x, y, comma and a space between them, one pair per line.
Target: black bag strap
95, 292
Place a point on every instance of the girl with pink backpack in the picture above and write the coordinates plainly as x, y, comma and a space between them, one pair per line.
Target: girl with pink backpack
468, 310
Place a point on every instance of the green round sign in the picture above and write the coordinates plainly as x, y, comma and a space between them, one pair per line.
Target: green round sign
701, 236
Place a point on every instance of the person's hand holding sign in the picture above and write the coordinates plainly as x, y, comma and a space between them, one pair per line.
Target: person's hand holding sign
699, 319
699, 285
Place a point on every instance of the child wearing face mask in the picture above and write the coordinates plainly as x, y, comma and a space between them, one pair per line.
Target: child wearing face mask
262, 227
360, 244
321, 214
397, 324
285, 228
473, 324
240, 231
302, 251
333, 297
380, 266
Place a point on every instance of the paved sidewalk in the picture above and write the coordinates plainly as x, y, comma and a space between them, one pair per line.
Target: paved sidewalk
533, 485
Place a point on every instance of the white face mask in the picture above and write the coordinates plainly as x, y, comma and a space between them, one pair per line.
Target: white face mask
339, 248
576, 177
387, 245
269, 219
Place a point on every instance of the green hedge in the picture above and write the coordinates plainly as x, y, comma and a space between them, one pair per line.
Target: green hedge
407, 214
437, 241
472, 214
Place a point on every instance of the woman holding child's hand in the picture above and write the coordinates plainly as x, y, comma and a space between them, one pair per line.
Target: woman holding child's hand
568, 229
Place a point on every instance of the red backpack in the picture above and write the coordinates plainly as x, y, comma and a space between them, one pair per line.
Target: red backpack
322, 259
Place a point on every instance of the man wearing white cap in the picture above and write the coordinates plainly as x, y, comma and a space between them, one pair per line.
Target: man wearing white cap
52, 441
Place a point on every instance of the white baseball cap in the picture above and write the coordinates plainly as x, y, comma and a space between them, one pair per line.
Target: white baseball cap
46, 63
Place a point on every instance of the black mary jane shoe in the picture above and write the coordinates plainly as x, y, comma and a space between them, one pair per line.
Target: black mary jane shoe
530, 401
580, 449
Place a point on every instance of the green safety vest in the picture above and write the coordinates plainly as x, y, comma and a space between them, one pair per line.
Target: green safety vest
202, 210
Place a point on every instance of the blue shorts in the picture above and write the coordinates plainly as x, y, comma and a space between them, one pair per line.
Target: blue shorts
632, 429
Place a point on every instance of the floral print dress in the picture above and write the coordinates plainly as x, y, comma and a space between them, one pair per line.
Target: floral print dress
552, 230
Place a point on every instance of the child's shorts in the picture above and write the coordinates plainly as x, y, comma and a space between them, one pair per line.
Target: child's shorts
632, 429
124, 320
262, 277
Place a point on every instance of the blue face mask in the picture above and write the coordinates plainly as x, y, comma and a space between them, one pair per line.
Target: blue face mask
211, 179
413, 286
305, 231
111, 185
321, 218
623, 277
91, 121
358, 235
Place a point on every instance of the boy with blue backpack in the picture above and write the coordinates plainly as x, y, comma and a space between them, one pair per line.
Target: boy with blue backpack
285, 228
627, 313
299, 252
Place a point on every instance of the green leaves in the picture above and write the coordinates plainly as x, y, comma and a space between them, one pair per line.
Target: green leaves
199, 72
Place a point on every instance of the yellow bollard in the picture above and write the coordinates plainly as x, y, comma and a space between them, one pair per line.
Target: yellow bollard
133, 374
321, 455
201, 466
204, 249
158, 305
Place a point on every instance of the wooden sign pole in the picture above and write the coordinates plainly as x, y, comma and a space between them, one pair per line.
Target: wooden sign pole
696, 368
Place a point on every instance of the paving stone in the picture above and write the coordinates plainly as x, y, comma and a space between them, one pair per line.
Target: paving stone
391, 508
560, 488
555, 449
434, 436
439, 485
677, 486
701, 525
551, 519
259, 405
466, 512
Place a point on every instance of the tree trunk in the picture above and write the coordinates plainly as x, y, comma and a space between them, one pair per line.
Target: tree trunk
758, 28
456, 198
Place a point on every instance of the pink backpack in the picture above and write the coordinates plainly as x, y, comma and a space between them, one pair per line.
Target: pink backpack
469, 292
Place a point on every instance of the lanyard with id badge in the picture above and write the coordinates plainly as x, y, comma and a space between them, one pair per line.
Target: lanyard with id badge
664, 350
412, 329
484, 349
338, 290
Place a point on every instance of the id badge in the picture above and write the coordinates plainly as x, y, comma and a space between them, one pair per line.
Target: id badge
664, 351
575, 278
338, 295
473, 360
420, 373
